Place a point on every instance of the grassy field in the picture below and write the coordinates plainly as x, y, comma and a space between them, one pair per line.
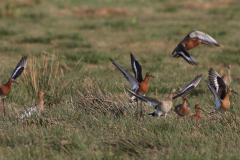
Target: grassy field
69, 44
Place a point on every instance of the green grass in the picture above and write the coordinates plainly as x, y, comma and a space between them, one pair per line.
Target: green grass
69, 45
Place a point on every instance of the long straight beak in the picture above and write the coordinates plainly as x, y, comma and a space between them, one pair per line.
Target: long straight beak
152, 76
48, 96
187, 102
235, 92
15, 82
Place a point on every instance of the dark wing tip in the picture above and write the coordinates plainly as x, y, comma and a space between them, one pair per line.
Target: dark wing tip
20, 67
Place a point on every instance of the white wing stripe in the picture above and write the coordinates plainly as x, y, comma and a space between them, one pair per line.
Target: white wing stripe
135, 68
16, 71
187, 88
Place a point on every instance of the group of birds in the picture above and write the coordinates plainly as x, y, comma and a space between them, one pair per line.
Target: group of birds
218, 84
5, 89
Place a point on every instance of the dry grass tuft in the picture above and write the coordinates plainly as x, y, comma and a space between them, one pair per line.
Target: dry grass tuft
94, 99
43, 74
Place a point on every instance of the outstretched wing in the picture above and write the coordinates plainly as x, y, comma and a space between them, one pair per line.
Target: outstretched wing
137, 68
183, 53
205, 38
128, 76
218, 102
190, 86
217, 83
20, 67
151, 101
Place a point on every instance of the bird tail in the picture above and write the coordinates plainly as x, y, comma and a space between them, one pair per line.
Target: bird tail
153, 114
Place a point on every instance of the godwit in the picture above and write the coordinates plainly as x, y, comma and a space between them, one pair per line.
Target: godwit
217, 83
38, 108
218, 89
6, 88
221, 72
139, 85
182, 109
161, 107
190, 86
197, 115
227, 79
193, 39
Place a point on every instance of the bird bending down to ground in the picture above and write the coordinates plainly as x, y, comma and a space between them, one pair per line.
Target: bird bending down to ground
161, 107
6, 88
38, 108
218, 89
139, 85
183, 109
197, 115
193, 39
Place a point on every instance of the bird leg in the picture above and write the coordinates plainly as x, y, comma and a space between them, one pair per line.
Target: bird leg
136, 110
141, 114
3, 108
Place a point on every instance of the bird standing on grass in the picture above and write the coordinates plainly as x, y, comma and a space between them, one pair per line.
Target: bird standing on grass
139, 85
6, 88
192, 40
218, 89
161, 107
197, 115
182, 109
38, 108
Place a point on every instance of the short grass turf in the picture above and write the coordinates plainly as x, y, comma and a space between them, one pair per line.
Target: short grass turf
69, 44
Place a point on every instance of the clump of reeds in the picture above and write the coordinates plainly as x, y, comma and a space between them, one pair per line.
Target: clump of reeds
43, 74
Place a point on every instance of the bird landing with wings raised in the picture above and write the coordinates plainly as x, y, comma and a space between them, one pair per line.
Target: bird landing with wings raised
193, 39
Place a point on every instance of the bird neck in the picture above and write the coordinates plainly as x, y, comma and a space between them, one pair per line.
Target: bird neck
220, 73
229, 71
8, 84
170, 96
41, 102
146, 79
197, 113
184, 105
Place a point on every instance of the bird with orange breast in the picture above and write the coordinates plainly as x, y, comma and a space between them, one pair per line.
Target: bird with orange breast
196, 116
6, 88
182, 109
193, 39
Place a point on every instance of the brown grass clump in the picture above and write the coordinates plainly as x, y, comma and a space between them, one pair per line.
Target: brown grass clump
93, 99
42, 74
